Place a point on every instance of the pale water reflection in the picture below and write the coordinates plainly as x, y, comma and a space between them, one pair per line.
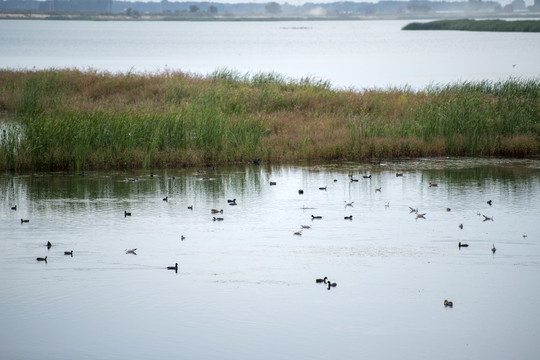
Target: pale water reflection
246, 287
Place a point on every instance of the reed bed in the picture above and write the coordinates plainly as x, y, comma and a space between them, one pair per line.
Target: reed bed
71, 119
477, 25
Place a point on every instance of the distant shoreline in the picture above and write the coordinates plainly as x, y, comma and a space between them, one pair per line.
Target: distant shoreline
84, 16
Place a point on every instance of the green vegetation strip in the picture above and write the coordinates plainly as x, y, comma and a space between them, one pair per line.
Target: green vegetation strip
477, 25
69, 119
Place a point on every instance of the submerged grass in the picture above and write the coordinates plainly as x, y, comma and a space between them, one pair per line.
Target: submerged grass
69, 119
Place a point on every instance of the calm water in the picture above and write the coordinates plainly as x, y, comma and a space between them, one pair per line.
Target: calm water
246, 288
356, 54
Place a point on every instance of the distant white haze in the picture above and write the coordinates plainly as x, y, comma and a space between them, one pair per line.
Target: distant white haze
301, 2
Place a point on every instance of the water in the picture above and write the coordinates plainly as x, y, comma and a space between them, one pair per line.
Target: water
245, 287
349, 54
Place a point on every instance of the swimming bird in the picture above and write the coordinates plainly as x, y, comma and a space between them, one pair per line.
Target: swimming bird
131, 251
323, 188
366, 176
461, 226
321, 280
448, 303
348, 217
42, 259
257, 161
190, 207
24, 221
349, 203
448, 209
68, 253
182, 237
353, 179
387, 204
421, 216
331, 284
151, 174
175, 267
433, 184
299, 232
306, 226
126, 213
378, 189
493, 249
316, 217
486, 218
524, 235
460, 245
14, 207
49, 245
273, 183
216, 211
218, 218
399, 174
301, 192
166, 198
81, 174
413, 210
490, 202
231, 201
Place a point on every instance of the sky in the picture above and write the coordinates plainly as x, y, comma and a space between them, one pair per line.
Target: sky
300, 2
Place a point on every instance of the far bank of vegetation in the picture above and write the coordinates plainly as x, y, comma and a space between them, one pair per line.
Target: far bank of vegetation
68, 119
478, 25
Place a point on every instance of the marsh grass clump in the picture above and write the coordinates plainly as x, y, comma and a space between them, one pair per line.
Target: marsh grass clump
69, 119
477, 25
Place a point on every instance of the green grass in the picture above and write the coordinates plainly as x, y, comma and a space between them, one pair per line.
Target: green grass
68, 119
477, 25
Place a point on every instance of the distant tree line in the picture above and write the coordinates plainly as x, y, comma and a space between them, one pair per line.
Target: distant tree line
269, 8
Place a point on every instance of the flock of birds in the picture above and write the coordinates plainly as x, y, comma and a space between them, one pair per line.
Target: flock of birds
233, 202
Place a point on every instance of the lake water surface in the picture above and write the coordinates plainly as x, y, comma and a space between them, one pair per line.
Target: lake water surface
357, 54
245, 287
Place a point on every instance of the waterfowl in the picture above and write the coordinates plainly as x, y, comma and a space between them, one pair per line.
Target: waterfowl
413, 210
299, 232
175, 267
321, 280
190, 207
316, 217
216, 211
49, 245
14, 207
81, 174
182, 237
323, 188
421, 216
69, 253
378, 163
524, 235
273, 183
301, 192
486, 218
231, 201
448, 209
257, 161
42, 259
306, 226
493, 249
349, 203
353, 179
127, 213
24, 221
448, 303
151, 174
461, 226
378, 189
348, 217
387, 204
366, 176
399, 174
433, 184
218, 218
166, 198
335, 180
490, 202
331, 284
460, 245
131, 251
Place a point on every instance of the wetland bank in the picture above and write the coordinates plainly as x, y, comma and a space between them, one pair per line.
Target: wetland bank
71, 119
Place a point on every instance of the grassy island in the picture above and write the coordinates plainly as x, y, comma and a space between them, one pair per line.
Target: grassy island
70, 119
477, 25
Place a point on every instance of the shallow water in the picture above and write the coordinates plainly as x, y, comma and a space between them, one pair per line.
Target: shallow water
245, 287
